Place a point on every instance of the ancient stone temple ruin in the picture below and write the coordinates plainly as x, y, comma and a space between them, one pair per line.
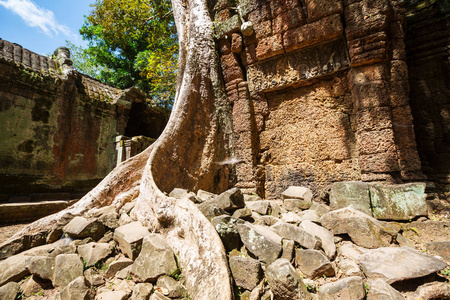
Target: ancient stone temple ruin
327, 90
61, 131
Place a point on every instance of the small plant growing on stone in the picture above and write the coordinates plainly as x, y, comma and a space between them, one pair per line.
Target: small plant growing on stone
128, 277
176, 274
366, 287
446, 272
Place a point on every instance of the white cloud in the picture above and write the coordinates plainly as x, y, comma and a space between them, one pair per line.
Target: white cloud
35, 16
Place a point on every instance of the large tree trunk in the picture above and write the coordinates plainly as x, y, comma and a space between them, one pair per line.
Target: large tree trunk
196, 137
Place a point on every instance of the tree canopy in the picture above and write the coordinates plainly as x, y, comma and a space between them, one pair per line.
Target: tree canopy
132, 43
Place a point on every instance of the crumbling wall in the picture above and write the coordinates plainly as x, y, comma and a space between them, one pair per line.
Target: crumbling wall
319, 90
428, 57
57, 125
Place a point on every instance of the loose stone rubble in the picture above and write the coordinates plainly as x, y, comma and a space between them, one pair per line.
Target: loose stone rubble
275, 249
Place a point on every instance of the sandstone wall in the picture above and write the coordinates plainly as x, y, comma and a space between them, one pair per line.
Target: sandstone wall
57, 128
319, 90
428, 57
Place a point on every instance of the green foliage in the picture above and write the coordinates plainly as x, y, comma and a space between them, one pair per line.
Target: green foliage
176, 274
131, 43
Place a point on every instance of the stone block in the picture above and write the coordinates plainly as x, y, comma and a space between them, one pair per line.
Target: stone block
318, 9
76, 290
324, 235
142, 291
80, 227
262, 29
441, 249
379, 289
68, 267
351, 193
230, 200
228, 26
9, 291
92, 253
380, 162
299, 235
287, 20
313, 263
284, 281
297, 192
129, 238
236, 43
269, 47
347, 288
117, 265
246, 271
261, 206
170, 287
398, 202
365, 17
226, 227
41, 266
372, 142
13, 268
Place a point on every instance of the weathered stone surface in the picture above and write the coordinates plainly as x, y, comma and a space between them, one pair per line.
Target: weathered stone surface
230, 200
127, 207
440, 248
210, 210
33, 284
93, 277
243, 213
398, 202
313, 263
93, 253
261, 206
297, 192
351, 193
117, 265
156, 259
291, 217
75, 290
125, 219
348, 288
294, 67
380, 290
318, 9
397, 264
432, 290
157, 295
178, 193
68, 267
205, 196
114, 295
129, 237
142, 291
9, 291
288, 249
64, 249
349, 267
13, 268
364, 230
170, 287
296, 204
299, 235
110, 220
309, 215
22, 243
325, 236
246, 271
320, 208
226, 227
80, 227
284, 281
261, 241
41, 266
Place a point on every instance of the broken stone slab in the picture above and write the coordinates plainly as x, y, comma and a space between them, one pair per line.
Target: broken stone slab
296, 204
92, 253
98, 212
365, 231
246, 271
291, 217
313, 263
243, 213
80, 227
9, 291
226, 227
399, 263
170, 287
156, 259
157, 295
441, 249
347, 288
432, 290
297, 192
231, 199
178, 193
284, 281
288, 249
41, 266
110, 220
114, 295
351, 193
64, 248
205, 196
260, 241
75, 290
398, 202
299, 235
211, 210
127, 207
125, 219
25, 242
129, 238
93, 277
349, 267
380, 290
324, 235
33, 284
68, 267
141, 291
117, 265
260, 206
13, 268
309, 215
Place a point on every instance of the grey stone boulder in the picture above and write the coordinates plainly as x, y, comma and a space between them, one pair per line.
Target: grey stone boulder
299, 235
313, 263
296, 204
441, 249
93, 253
398, 202
25, 242
320, 208
324, 235
243, 213
398, 264
350, 288
350, 193
110, 220
141, 291
226, 227
309, 215
178, 193
291, 218
170, 287
33, 284
380, 290
156, 259
68, 267
41, 266
80, 227
114, 295
13, 268
246, 271
157, 295
365, 231
127, 207
75, 290
64, 248
125, 219
284, 281
432, 291
117, 265
297, 192
129, 238
211, 210
205, 196
9, 291
230, 200
260, 206
93, 277
260, 241
288, 249
349, 267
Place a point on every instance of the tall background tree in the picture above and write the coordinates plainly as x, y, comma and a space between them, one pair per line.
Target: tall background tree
131, 43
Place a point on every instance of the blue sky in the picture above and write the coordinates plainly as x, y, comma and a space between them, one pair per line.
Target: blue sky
43, 25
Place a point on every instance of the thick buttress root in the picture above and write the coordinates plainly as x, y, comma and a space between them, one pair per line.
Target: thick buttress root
184, 156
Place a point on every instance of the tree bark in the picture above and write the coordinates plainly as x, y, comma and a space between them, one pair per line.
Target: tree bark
197, 136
